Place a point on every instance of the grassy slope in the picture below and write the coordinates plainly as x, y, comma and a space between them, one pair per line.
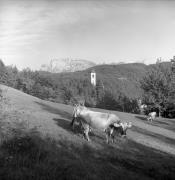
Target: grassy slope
147, 153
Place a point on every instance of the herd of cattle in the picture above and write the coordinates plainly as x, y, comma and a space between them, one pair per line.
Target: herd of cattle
109, 123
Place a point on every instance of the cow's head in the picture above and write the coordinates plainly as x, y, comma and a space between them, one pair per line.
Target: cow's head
129, 125
79, 108
123, 127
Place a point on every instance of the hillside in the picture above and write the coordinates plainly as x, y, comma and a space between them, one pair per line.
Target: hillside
116, 78
118, 86
148, 152
125, 77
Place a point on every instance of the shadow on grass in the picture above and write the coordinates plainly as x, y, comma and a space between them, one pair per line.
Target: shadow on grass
141, 118
165, 123
154, 135
31, 157
156, 120
54, 110
65, 124
159, 122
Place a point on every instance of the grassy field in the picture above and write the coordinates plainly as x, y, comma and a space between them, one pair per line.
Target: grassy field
36, 142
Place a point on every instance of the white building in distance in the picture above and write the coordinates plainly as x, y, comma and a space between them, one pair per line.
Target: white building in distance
93, 78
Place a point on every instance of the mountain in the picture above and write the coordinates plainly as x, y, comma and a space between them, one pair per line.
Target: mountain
66, 65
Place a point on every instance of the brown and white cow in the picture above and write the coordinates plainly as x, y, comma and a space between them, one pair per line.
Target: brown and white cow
118, 129
95, 120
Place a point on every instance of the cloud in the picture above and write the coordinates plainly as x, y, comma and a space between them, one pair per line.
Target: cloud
18, 20
25, 23
35, 31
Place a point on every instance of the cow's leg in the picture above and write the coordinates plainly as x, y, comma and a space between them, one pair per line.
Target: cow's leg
112, 134
73, 122
86, 132
108, 132
112, 138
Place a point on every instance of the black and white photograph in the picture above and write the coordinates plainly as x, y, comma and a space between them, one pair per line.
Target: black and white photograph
87, 89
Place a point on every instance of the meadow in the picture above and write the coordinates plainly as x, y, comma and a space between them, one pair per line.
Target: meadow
36, 142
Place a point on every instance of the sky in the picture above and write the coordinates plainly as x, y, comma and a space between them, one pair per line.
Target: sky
103, 31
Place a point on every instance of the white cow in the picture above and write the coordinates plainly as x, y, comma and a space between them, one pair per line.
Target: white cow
143, 106
151, 116
95, 120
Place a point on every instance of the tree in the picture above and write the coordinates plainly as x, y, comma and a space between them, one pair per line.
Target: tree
157, 86
173, 79
3, 73
13, 75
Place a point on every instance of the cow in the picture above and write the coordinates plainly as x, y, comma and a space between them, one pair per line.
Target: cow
151, 116
94, 120
118, 129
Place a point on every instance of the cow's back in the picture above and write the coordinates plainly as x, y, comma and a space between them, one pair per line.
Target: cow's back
98, 120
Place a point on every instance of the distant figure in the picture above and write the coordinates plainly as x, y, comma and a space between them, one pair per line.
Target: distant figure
143, 106
151, 116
